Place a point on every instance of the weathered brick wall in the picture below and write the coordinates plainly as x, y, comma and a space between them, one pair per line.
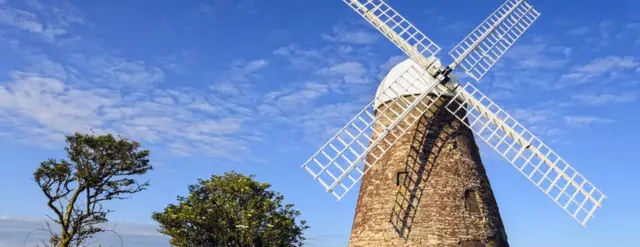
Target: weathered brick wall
444, 199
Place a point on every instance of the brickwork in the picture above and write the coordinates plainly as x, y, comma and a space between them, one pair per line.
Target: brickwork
442, 196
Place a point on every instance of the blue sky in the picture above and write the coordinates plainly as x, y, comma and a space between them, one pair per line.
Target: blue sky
257, 86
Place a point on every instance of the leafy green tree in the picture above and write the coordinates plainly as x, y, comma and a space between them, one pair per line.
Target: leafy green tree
99, 169
231, 210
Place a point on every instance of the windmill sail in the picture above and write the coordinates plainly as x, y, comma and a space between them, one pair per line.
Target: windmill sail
349, 146
341, 163
534, 159
480, 50
397, 29
346, 157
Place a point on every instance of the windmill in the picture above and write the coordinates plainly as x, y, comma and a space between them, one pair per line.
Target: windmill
423, 183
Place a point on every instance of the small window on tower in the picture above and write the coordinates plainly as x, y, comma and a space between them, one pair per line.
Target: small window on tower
401, 176
471, 202
472, 244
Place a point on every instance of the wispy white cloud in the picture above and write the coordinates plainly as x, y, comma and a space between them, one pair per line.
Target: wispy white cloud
578, 30
348, 63
325, 73
28, 22
349, 72
610, 66
42, 65
178, 62
15, 231
237, 82
324, 121
243, 71
42, 106
297, 97
389, 64
212, 8
326, 239
36, 4
603, 35
609, 34
533, 116
204, 9
117, 71
601, 99
542, 120
346, 67
458, 26
581, 121
134, 73
46, 22
336, 80
352, 34
528, 65
300, 58
538, 56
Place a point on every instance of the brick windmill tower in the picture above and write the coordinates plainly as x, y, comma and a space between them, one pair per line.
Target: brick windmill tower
430, 188
413, 146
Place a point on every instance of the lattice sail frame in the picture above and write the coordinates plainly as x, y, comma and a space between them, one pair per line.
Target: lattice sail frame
480, 50
528, 154
342, 161
397, 29
476, 54
421, 50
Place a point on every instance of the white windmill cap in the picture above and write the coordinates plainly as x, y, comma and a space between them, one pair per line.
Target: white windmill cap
401, 76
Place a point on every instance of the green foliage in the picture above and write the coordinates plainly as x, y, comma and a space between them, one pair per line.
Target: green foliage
100, 168
231, 210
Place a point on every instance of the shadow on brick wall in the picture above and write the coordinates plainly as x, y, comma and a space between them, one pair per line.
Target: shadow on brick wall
427, 144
